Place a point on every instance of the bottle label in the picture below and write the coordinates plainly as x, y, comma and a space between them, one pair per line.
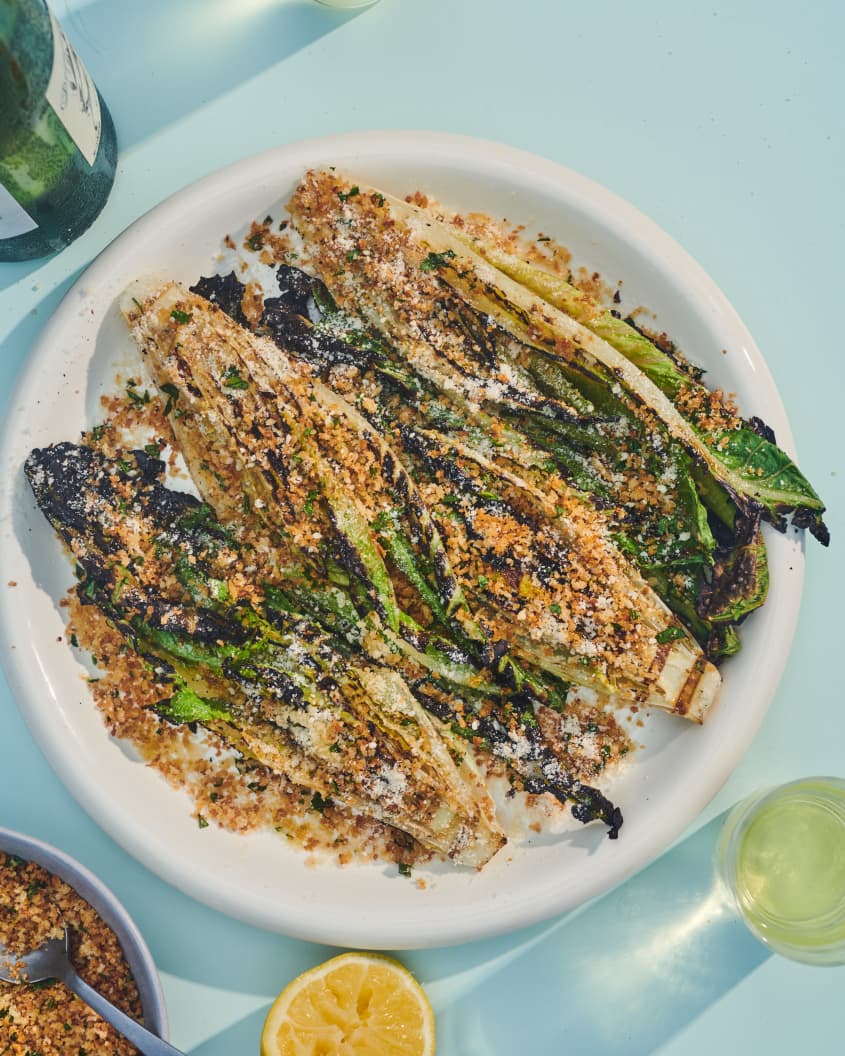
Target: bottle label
14, 219
73, 96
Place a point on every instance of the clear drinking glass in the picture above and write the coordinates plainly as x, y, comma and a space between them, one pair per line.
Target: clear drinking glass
346, 3
782, 857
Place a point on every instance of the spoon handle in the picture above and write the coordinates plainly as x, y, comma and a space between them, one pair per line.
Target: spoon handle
145, 1041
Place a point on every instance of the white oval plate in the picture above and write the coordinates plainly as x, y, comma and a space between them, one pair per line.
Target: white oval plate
258, 878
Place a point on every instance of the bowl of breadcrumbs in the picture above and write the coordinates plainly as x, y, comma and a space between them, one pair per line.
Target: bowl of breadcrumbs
42, 891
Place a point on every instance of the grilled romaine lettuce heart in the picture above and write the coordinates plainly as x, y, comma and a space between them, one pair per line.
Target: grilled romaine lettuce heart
323, 474
270, 446
163, 570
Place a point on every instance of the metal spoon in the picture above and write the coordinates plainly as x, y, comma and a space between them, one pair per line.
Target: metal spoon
52, 961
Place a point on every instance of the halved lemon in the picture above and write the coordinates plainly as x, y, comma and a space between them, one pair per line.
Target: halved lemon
357, 1004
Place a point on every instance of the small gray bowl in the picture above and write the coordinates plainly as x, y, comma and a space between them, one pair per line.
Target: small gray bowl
106, 904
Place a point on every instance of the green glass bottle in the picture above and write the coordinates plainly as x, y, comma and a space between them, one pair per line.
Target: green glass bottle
57, 144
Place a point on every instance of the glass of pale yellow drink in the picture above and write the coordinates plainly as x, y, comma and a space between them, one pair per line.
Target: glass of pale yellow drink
782, 856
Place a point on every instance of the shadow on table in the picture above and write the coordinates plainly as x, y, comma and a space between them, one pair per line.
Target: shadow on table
158, 60
225, 1020
21, 337
623, 975
242, 1037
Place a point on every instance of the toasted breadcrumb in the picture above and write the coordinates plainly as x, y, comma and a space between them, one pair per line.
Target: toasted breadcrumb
251, 797
236, 795
36, 905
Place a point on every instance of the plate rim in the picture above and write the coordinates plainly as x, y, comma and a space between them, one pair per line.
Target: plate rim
646, 236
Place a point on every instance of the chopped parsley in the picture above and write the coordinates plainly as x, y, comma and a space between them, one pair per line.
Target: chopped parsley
139, 398
346, 195
233, 380
180, 316
172, 393
436, 260
670, 634
319, 804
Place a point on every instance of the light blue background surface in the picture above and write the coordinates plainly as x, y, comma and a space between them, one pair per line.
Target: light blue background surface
723, 122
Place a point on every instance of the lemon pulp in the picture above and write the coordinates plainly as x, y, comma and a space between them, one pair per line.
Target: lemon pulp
357, 1004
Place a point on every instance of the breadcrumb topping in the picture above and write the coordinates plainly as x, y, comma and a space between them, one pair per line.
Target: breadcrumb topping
36, 905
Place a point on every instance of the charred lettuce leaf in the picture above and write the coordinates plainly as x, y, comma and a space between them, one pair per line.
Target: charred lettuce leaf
318, 475
518, 404
535, 308
278, 692
400, 553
